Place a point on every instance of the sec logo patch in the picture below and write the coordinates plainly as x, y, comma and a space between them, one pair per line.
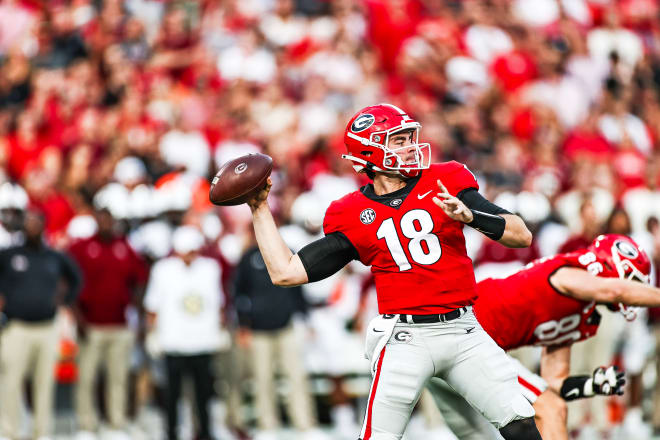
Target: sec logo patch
368, 216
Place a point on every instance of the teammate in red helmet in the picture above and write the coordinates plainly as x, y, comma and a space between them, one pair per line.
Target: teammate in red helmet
552, 303
408, 226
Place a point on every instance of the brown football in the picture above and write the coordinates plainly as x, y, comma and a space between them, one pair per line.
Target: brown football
240, 179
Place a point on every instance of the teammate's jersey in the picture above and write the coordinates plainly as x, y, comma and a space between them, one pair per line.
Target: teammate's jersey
525, 309
416, 253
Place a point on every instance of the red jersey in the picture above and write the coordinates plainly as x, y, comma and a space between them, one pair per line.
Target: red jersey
524, 309
111, 270
416, 253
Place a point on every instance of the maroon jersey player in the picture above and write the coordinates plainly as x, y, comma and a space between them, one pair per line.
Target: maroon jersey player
407, 225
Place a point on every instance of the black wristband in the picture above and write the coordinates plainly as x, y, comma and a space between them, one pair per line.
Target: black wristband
576, 387
492, 226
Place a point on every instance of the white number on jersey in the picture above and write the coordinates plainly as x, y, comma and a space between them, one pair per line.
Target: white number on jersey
586, 259
589, 259
424, 246
558, 332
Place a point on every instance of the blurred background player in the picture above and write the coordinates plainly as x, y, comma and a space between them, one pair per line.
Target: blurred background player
35, 281
114, 277
333, 309
184, 300
265, 316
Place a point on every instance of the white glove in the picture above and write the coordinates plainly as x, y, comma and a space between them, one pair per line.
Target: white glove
606, 381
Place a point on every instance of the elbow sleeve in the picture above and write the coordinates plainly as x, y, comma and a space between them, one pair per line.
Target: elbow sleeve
326, 256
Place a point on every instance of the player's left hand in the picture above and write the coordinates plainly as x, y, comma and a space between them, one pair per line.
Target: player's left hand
608, 381
452, 206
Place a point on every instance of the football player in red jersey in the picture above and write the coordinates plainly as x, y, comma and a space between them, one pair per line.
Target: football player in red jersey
407, 225
552, 303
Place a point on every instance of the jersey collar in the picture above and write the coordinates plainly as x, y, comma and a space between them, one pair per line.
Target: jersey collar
394, 199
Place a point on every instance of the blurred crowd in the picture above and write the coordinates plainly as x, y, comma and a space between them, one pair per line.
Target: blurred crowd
115, 115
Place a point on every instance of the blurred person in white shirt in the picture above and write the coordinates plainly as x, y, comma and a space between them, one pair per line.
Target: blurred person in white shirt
612, 37
620, 126
484, 40
247, 60
183, 301
283, 26
184, 146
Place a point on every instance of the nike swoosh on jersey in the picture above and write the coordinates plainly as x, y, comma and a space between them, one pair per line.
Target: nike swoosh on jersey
379, 331
421, 196
469, 330
573, 392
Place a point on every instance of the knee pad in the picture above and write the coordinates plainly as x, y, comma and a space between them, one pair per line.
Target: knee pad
523, 429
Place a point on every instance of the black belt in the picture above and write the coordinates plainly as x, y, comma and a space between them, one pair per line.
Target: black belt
427, 319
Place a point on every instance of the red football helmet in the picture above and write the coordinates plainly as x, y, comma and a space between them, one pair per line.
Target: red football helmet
367, 136
621, 257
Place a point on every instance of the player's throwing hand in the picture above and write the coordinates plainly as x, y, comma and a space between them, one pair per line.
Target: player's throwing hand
260, 197
452, 206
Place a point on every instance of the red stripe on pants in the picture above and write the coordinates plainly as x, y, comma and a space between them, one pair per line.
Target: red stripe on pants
529, 386
367, 430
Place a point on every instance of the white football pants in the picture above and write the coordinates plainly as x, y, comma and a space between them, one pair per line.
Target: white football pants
463, 420
460, 352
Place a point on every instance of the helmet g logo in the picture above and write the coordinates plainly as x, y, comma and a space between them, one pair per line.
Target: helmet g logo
626, 249
362, 123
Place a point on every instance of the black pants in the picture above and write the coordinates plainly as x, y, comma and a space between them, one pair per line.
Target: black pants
199, 367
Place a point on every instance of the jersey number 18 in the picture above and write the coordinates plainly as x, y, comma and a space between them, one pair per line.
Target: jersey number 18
424, 246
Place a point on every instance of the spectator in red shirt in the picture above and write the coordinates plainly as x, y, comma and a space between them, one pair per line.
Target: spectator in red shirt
25, 145
113, 273
390, 23
587, 141
41, 184
516, 68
